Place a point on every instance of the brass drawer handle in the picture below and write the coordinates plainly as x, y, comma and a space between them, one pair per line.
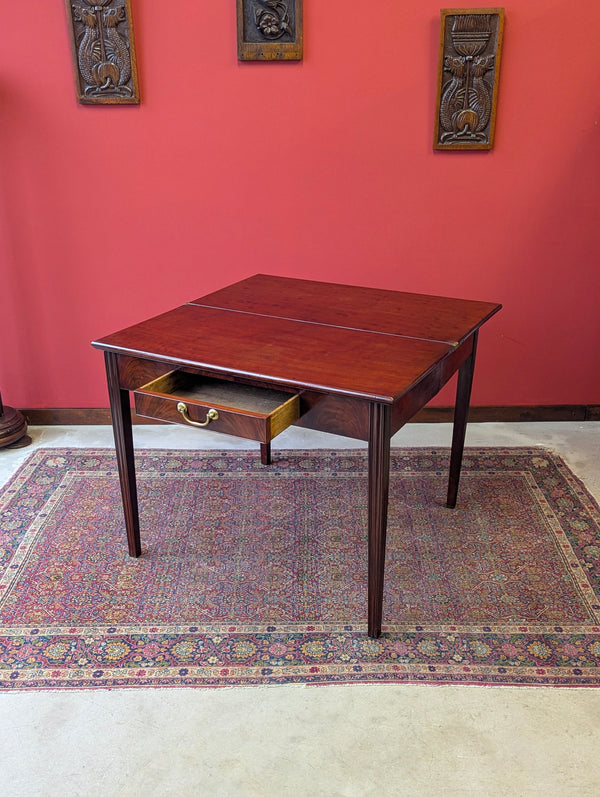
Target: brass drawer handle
211, 415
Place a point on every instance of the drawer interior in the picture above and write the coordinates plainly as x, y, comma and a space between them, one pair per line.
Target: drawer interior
218, 393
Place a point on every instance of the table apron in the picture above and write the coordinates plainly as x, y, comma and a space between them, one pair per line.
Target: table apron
415, 399
325, 412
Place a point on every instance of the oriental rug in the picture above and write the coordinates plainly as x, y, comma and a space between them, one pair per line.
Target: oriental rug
257, 575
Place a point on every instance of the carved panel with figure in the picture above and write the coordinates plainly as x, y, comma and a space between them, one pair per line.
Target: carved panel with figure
103, 51
468, 70
269, 30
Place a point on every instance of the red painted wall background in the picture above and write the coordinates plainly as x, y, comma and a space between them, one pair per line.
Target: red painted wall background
321, 169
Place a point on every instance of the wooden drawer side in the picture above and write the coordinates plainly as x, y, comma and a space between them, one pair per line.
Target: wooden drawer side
285, 415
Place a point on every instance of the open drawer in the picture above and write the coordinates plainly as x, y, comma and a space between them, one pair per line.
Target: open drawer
254, 413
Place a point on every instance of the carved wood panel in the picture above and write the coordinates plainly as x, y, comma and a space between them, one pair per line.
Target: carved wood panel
103, 51
269, 30
468, 70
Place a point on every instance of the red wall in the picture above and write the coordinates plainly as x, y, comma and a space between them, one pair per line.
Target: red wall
321, 169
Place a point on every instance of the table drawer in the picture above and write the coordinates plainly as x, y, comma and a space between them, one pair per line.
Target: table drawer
253, 413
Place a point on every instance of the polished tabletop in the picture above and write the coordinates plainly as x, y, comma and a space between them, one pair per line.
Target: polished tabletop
365, 342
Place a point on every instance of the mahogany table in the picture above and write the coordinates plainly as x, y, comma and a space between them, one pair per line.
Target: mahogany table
268, 352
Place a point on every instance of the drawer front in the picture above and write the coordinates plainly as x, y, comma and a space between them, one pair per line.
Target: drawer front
250, 413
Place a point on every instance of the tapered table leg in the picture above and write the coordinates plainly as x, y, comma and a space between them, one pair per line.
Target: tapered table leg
379, 480
461, 414
121, 421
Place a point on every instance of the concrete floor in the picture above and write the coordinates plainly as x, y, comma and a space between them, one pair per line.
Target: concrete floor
347, 741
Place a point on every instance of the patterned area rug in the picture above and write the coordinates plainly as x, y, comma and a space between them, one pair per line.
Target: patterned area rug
254, 575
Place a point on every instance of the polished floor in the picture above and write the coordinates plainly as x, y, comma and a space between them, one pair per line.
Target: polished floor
352, 741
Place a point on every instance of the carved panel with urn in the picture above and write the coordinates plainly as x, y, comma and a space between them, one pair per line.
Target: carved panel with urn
269, 30
103, 51
469, 66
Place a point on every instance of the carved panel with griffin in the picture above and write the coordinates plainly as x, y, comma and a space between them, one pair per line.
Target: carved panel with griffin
103, 51
468, 70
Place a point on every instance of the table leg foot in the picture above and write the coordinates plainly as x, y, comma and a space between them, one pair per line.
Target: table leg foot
265, 453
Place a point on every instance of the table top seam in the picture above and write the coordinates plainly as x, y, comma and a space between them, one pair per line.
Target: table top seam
452, 343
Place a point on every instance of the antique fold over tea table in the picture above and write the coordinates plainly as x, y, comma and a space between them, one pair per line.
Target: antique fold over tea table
270, 352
